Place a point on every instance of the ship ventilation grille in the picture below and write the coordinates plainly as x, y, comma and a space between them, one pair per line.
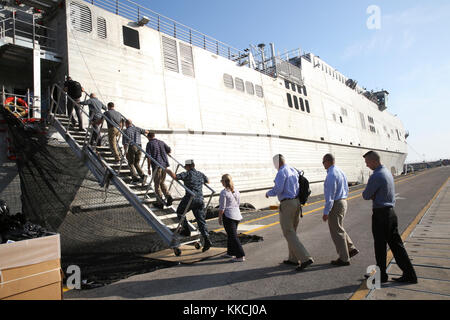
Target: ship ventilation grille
228, 80
101, 27
259, 91
239, 84
80, 17
187, 61
170, 54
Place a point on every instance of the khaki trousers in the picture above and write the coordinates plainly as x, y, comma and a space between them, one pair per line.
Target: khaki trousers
289, 220
340, 238
159, 178
113, 133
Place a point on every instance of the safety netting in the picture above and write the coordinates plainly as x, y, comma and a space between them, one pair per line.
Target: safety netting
100, 231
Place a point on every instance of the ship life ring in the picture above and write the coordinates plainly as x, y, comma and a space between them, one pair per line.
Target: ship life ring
20, 109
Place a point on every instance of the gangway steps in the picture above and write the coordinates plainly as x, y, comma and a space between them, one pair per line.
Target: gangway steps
145, 196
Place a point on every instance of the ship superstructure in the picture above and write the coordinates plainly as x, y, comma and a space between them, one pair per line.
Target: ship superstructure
231, 110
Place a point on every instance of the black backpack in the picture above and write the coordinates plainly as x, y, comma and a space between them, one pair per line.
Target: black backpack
303, 183
75, 90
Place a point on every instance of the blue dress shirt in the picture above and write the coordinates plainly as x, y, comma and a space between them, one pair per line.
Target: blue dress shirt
335, 187
381, 188
286, 184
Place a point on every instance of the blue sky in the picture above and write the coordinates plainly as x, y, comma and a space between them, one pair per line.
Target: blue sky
409, 55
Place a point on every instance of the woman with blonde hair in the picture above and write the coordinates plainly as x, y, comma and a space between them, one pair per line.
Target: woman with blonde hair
230, 216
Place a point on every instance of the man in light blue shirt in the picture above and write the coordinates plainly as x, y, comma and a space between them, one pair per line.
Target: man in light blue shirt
336, 193
287, 189
381, 190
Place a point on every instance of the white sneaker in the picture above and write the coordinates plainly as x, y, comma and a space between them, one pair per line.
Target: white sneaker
242, 259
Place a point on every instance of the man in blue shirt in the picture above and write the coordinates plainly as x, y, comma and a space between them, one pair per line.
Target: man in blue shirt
194, 181
287, 189
95, 117
381, 190
158, 150
131, 141
336, 193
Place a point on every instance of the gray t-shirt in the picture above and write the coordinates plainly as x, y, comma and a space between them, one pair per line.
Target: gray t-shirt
114, 116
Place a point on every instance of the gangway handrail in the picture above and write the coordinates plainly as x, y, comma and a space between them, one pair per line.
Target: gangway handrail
122, 133
173, 242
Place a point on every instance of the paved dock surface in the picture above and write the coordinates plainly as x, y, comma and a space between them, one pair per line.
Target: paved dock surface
263, 276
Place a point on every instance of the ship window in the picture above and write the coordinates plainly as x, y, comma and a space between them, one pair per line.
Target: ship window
249, 87
239, 84
299, 89
101, 27
130, 37
304, 91
307, 106
289, 99
370, 119
296, 102
170, 54
80, 17
228, 81
340, 118
259, 91
302, 105
363, 120
293, 87
187, 60
286, 83
372, 129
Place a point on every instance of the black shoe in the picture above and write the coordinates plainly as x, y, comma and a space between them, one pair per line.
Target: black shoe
185, 232
158, 205
144, 180
406, 279
207, 245
340, 263
289, 262
169, 200
353, 252
305, 265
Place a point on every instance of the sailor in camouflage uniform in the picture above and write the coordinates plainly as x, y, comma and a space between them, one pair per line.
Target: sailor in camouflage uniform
193, 180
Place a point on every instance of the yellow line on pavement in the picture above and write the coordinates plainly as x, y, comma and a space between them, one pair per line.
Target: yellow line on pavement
363, 291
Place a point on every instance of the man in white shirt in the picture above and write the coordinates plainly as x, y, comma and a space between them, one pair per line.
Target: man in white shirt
336, 193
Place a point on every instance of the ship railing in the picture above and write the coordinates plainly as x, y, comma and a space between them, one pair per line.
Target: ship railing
28, 98
136, 12
56, 107
24, 26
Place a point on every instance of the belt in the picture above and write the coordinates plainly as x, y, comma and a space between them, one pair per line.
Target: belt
288, 199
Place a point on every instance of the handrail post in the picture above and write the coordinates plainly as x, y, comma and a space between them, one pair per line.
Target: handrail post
117, 7
34, 33
14, 26
174, 30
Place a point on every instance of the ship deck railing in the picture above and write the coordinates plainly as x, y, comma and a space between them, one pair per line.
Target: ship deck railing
23, 28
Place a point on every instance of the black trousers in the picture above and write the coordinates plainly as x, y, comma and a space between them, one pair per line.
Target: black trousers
234, 247
70, 106
198, 208
385, 231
